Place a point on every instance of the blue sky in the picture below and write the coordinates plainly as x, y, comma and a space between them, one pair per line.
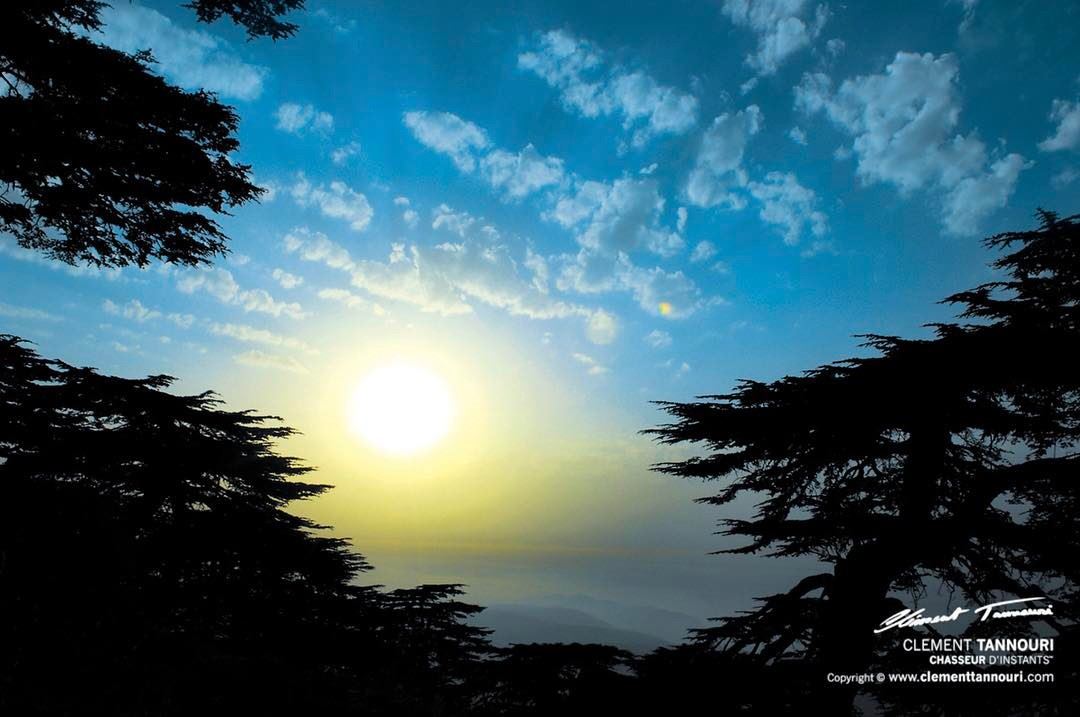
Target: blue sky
577, 210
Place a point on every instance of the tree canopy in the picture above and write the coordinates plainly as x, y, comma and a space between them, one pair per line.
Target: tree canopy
261, 18
143, 535
104, 161
947, 461
145, 544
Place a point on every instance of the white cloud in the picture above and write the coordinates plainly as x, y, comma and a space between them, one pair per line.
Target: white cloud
296, 119
658, 339
23, 312
659, 292
449, 134
1064, 178
514, 174
594, 367
976, 197
132, 310
9, 247
287, 280
902, 121
444, 279
315, 246
609, 220
969, 14
904, 127
1067, 133
341, 154
414, 280
623, 215
519, 174
460, 223
270, 191
184, 321
250, 334
797, 135
718, 169
704, 251
336, 200
220, 284
351, 300
665, 110
408, 215
782, 28
339, 24
194, 59
264, 360
789, 205
261, 301
538, 265
601, 327
680, 223
590, 85
215, 281
571, 209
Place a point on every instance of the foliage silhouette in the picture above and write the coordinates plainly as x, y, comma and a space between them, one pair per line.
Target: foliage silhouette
693, 678
945, 461
549, 679
261, 18
105, 162
144, 548
433, 652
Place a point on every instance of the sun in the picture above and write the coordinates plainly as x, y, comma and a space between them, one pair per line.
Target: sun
401, 409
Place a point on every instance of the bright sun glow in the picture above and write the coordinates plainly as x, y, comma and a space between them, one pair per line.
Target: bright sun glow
401, 409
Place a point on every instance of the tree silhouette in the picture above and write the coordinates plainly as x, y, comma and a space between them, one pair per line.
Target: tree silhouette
549, 679
692, 678
103, 161
941, 462
139, 526
145, 548
428, 654
261, 18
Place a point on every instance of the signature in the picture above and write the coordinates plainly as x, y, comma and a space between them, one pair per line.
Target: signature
914, 618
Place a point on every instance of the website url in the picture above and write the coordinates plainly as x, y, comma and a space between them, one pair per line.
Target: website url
928, 677
1019, 677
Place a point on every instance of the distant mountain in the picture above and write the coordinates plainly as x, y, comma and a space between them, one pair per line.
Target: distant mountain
669, 625
520, 623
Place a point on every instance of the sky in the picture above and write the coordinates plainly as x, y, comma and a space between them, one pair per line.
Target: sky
565, 212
